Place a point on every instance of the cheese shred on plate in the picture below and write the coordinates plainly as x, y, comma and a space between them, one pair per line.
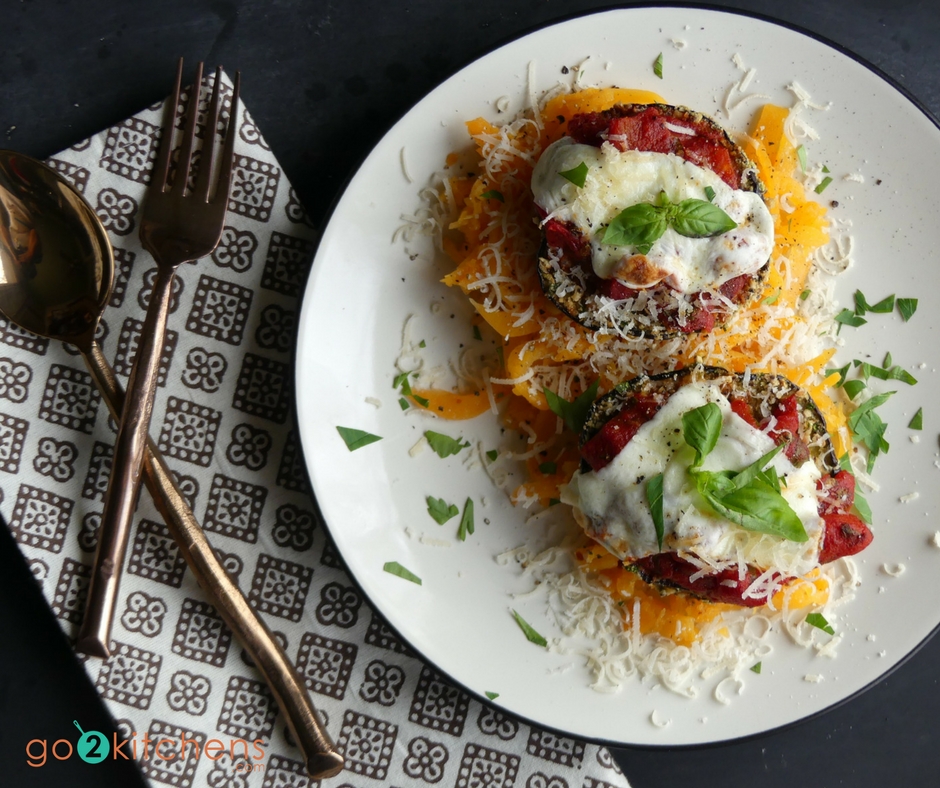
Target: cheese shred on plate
486, 221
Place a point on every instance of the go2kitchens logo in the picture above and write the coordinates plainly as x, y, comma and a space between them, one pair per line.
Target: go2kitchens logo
94, 747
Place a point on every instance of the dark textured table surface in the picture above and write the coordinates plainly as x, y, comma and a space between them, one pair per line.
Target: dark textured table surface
333, 76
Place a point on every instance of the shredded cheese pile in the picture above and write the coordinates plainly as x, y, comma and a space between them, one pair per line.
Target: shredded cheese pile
487, 224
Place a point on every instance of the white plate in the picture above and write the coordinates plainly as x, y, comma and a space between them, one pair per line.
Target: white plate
363, 287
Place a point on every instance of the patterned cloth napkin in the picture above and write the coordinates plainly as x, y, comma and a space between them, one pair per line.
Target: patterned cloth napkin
224, 421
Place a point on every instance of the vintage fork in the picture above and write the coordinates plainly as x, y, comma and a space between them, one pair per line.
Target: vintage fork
175, 227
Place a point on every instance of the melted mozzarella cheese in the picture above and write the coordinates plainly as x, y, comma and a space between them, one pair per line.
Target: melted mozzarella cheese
612, 506
619, 179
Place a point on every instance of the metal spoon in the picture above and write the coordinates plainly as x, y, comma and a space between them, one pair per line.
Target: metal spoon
56, 270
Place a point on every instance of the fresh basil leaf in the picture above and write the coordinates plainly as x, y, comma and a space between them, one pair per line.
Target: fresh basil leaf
758, 507
907, 307
887, 362
853, 387
848, 318
756, 668
421, 400
825, 169
639, 225
805, 294
440, 510
444, 445
818, 620
492, 454
654, 497
701, 428
754, 470
862, 507
801, 155
577, 175
491, 695
572, 413
493, 194
403, 403
548, 468
701, 219
422, 344
401, 380
868, 406
466, 521
822, 186
884, 306
658, 65
395, 568
772, 299
531, 635
356, 439
917, 422
709, 193
843, 371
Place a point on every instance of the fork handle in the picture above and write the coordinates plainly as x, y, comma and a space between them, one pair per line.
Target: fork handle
318, 749
126, 469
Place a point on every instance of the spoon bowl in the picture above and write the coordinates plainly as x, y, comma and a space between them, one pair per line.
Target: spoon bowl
56, 262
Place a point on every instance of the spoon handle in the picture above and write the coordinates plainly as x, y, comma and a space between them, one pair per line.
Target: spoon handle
319, 751
120, 500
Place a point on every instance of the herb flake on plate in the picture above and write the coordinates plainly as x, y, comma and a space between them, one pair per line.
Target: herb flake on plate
356, 439
444, 445
440, 510
531, 635
818, 620
466, 521
395, 568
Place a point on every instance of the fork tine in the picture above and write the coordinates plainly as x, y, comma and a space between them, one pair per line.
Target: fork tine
189, 135
228, 150
162, 164
201, 189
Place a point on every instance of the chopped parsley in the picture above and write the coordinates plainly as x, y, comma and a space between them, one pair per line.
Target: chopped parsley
395, 568
356, 439
440, 510
818, 620
444, 445
531, 635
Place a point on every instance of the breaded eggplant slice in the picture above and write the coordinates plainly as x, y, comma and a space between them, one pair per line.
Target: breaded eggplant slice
614, 419
565, 271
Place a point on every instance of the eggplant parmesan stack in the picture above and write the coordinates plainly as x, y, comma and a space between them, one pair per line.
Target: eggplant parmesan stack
653, 222
719, 485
